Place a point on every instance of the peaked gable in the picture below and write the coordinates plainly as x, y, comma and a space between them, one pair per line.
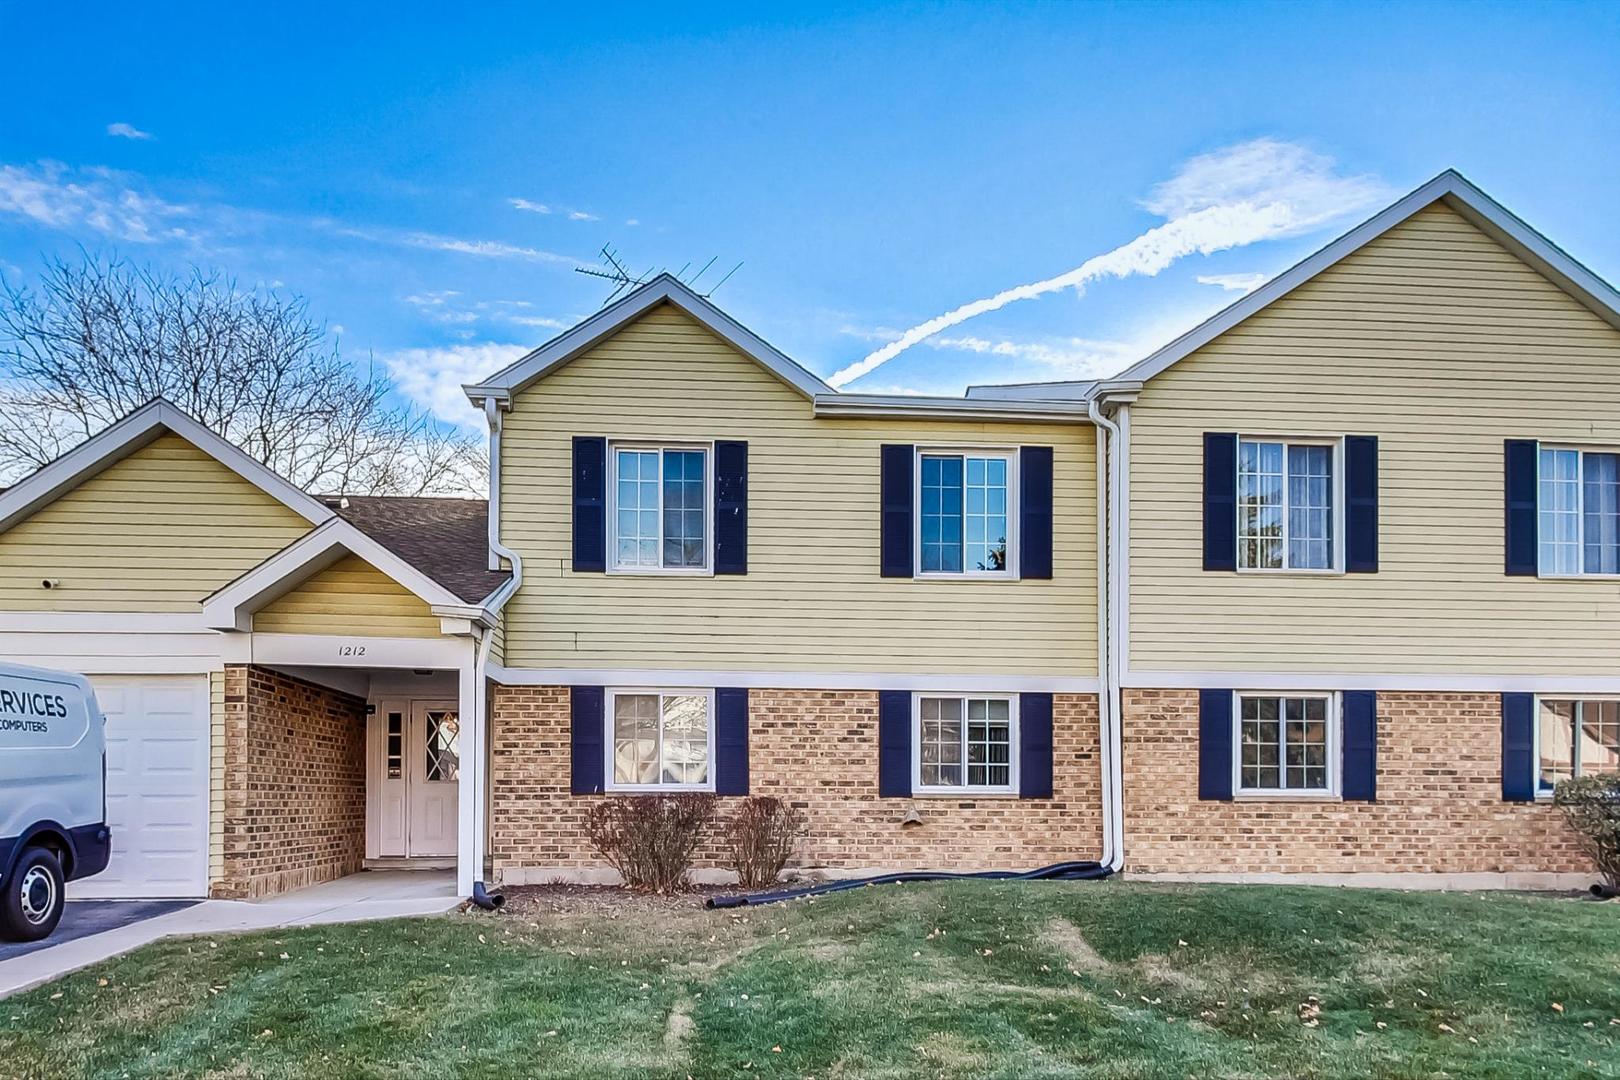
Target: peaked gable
663, 290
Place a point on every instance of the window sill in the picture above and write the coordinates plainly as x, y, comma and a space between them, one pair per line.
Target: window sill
1258, 572
1610, 578
632, 572
1288, 796
659, 789
963, 793
966, 577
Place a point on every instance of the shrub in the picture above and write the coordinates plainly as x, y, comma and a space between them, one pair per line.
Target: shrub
763, 833
649, 839
1591, 805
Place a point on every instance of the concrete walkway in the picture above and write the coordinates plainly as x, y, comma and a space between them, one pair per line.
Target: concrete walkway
374, 894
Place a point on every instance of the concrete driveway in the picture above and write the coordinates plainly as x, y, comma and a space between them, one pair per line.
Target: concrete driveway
82, 918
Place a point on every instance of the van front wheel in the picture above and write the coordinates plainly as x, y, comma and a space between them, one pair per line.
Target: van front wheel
31, 904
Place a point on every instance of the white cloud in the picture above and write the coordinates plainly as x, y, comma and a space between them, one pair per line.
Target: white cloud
1072, 358
532, 207
121, 130
538, 320
632, 222
432, 378
59, 197
1233, 282
1260, 190
485, 249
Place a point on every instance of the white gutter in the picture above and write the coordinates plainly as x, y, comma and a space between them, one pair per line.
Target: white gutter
1108, 670
492, 605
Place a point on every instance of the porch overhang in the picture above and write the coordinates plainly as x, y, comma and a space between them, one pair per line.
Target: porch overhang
231, 607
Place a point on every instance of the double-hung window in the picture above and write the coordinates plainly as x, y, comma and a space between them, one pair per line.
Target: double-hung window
1576, 737
1288, 744
964, 744
660, 511
1578, 502
966, 513
1287, 504
660, 740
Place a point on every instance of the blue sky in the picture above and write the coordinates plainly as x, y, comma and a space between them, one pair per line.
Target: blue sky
429, 177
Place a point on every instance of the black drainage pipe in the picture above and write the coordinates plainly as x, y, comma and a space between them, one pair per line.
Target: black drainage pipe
485, 899
1063, 871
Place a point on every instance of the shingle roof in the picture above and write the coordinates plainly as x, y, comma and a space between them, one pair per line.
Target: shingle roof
446, 539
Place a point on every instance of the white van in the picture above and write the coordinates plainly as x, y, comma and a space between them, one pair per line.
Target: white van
53, 795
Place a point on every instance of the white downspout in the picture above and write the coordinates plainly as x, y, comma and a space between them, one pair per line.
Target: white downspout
480, 691
1108, 702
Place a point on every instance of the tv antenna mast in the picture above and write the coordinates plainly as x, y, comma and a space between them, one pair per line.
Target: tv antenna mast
614, 270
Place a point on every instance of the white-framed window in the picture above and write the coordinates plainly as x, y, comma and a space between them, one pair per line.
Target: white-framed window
1575, 736
1288, 744
964, 744
659, 740
1289, 507
966, 512
1578, 511
659, 515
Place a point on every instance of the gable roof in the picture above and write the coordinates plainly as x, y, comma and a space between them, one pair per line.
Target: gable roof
231, 606
135, 431
663, 289
1451, 188
446, 539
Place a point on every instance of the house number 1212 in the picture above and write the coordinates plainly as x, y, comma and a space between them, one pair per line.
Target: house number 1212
351, 650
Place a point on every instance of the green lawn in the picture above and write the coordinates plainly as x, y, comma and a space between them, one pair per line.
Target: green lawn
964, 980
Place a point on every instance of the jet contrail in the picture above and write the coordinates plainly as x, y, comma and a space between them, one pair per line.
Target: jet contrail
1254, 191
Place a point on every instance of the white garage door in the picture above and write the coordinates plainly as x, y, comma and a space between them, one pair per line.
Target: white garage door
157, 786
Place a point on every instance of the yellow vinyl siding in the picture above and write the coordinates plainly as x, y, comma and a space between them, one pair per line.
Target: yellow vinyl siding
813, 599
349, 597
157, 531
1438, 341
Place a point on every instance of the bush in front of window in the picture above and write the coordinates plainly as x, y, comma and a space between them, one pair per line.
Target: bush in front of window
762, 834
650, 839
1591, 805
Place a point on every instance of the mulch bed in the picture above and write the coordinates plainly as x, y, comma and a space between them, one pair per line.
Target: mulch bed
606, 900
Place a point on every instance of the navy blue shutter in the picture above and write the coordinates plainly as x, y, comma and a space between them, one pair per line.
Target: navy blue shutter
590, 504
1035, 746
585, 739
899, 462
1361, 504
1519, 458
731, 508
1035, 512
1220, 501
731, 741
894, 744
1215, 744
1361, 745
1518, 755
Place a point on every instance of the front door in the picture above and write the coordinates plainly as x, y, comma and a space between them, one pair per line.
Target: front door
417, 774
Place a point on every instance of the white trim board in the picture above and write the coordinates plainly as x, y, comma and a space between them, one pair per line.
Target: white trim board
1525, 880
792, 680
663, 289
1395, 682
139, 429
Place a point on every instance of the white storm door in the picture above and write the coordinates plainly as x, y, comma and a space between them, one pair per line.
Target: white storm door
433, 763
393, 816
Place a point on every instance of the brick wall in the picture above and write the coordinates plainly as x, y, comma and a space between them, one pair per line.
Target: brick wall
817, 749
1439, 807
295, 784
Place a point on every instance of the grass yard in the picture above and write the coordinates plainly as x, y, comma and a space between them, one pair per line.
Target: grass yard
962, 980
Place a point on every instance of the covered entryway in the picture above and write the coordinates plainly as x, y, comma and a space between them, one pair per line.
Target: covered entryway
157, 787
415, 771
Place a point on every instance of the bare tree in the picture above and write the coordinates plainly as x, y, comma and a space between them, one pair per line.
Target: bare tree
100, 338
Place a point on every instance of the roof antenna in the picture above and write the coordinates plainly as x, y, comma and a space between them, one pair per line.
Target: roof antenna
614, 270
